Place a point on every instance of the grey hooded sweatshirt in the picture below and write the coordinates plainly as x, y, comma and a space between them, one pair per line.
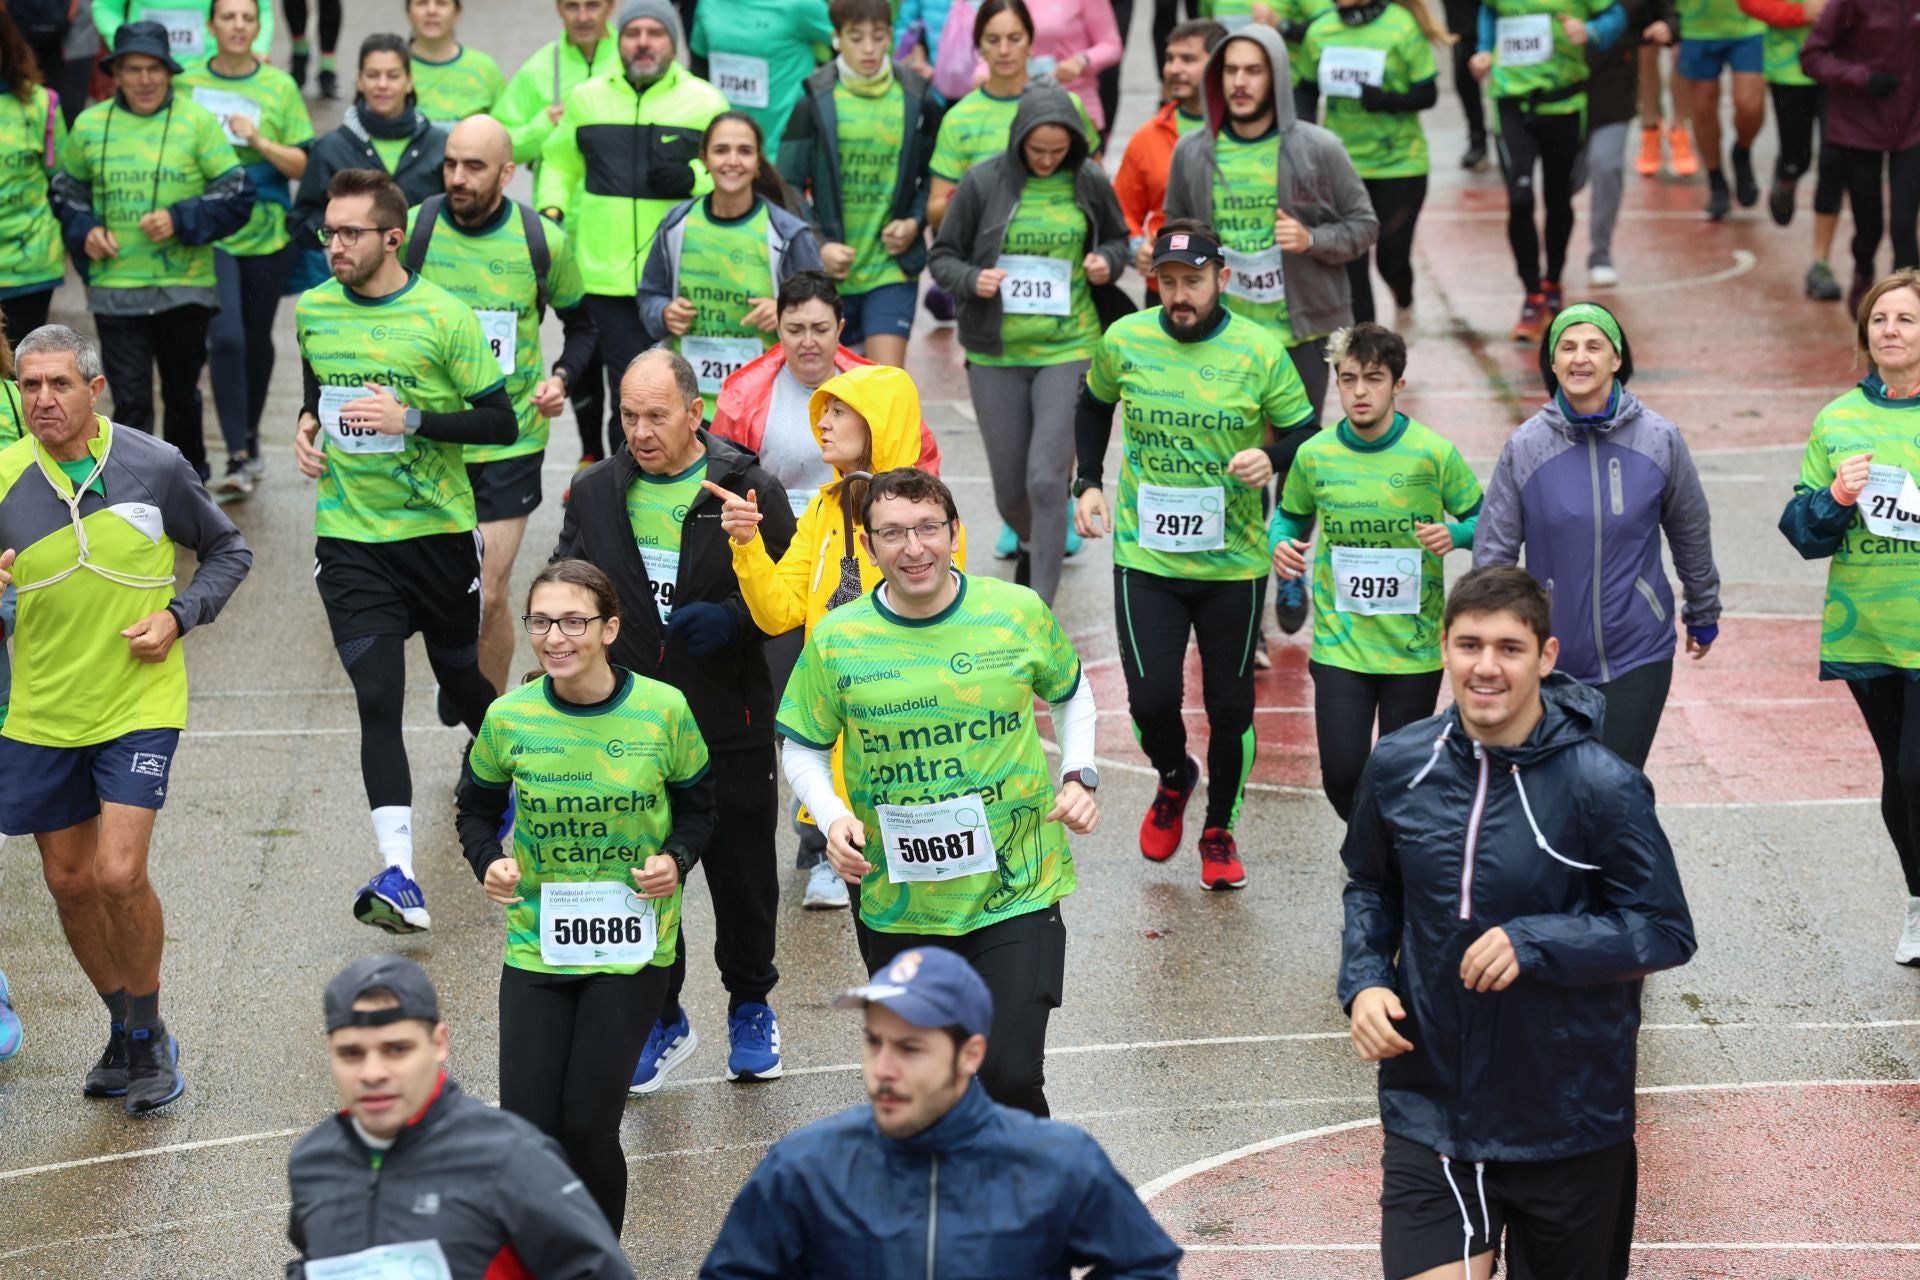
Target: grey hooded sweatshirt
1318, 187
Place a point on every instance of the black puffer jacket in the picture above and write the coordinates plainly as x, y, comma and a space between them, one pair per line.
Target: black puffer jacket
1557, 843
351, 147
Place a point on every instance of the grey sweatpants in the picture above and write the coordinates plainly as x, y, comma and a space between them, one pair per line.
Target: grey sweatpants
1026, 422
1606, 175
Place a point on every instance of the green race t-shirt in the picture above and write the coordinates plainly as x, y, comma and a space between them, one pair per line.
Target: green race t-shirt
595, 797
1872, 614
1235, 14
1392, 53
424, 343
870, 132
1046, 224
1532, 55
13, 417
1374, 495
1716, 20
1246, 196
724, 265
491, 270
657, 509
390, 150
32, 137
467, 84
270, 96
1186, 409
976, 128
759, 53
1782, 47
941, 709
137, 164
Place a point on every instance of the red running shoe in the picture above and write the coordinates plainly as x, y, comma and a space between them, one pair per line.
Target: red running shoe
1161, 829
1220, 866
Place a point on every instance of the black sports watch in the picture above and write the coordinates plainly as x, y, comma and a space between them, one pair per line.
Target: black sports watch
1081, 484
1086, 775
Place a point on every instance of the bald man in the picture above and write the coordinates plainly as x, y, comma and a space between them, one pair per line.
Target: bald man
506, 262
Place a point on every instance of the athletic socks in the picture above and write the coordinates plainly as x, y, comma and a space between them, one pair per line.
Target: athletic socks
143, 1011
116, 1002
301, 47
393, 832
326, 64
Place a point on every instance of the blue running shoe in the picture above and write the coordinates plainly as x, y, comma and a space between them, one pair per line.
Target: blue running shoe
667, 1047
392, 901
153, 1070
1007, 545
1290, 604
10, 1033
1073, 538
753, 1042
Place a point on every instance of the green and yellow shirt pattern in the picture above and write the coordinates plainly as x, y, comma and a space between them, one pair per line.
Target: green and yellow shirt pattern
426, 345
467, 84
1186, 409
270, 96
1716, 20
32, 137
1782, 48
935, 709
1532, 55
1376, 495
1393, 53
870, 132
594, 788
1246, 196
1048, 224
976, 128
724, 264
657, 510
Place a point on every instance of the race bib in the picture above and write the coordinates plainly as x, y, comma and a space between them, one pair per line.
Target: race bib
224, 103
1524, 41
1257, 277
663, 567
944, 841
186, 30
714, 360
1181, 519
418, 1260
1890, 504
1041, 64
353, 439
1375, 580
1036, 285
743, 80
502, 331
1343, 69
599, 924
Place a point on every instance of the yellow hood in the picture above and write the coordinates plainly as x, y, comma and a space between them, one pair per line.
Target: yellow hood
888, 400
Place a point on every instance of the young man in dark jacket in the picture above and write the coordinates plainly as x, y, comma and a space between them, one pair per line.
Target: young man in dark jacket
644, 519
1508, 888
918, 1183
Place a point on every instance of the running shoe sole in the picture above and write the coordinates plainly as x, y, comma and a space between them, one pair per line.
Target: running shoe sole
371, 908
752, 1077
105, 1088
673, 1058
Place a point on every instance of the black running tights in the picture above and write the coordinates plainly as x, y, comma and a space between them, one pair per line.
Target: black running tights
329, 22
377, 668
1800, 113
1345, 705
1554, 145
1891, 706
1863, 172
1396, 202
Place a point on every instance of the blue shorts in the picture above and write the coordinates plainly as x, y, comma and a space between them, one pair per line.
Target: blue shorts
886, 311
1706, 59
53, 788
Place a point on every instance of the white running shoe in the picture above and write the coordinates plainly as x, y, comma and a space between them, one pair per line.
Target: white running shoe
1908, 952
1602, 275
826, 891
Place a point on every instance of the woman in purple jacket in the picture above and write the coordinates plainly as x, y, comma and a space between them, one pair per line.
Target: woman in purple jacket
1586, 487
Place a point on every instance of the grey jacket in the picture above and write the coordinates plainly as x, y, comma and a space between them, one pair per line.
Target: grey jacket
989, 195
1318, 186
790, 248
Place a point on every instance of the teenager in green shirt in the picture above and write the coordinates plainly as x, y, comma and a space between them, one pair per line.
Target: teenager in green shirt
450, 80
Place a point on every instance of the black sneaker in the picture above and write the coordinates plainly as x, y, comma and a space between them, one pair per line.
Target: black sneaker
1475, 156
153, 1070
444, 708
329, 84
1719, 200
1745, 189
1290, 604
1023, 568
1821, 286
1780, 199
108, 1079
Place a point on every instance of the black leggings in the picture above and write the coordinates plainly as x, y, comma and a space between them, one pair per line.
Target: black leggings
1397, 202
1891, 706
240, 340
1023, 961
1463, 20
176, 341
1635, 702
1556, 144
26, 313
568, 1045
742, 879
1156, 615
1345, 705
1862, 169
1799, 113
329, 22
377, 668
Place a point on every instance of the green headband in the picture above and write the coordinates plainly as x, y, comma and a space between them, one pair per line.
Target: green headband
1587, 313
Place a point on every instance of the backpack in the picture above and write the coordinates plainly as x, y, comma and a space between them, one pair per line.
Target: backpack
43, 22
529, 224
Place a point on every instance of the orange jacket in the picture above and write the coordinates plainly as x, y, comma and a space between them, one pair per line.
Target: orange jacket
740, 411
1141, 183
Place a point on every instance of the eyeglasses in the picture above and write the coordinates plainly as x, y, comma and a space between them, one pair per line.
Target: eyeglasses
893, 535
538, 624
349, 236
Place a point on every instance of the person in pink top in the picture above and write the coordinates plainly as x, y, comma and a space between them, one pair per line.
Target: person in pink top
1073, 41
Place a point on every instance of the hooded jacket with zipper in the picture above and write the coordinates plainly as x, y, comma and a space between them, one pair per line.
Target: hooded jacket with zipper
1317, 186
740, 410
493, 1190
988, 197
351, 147
984, 1193
790, 248
1851, 42
1556, 842
810, 159
729, 691
1587, 500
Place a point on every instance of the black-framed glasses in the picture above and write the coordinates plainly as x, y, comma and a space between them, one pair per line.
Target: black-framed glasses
349, 236
538, 624
892, 535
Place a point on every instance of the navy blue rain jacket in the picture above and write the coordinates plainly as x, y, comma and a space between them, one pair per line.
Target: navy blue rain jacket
986, 1193
1554, 841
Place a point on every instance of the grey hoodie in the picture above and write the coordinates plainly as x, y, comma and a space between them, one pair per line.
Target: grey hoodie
1318, 186
989, 194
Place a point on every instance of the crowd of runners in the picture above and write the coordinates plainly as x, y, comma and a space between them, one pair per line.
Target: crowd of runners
739, 207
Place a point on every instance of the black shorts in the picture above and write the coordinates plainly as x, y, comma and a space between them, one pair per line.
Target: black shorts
430, 585
506, 489
1566, 1219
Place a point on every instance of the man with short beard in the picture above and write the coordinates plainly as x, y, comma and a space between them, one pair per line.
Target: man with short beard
1213, 411
638, 134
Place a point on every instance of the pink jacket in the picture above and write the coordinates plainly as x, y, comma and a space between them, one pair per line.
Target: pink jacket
1064, 28
740, 412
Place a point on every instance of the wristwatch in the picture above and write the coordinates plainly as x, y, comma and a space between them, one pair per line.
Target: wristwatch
1081, 484
1086, 775
413, 424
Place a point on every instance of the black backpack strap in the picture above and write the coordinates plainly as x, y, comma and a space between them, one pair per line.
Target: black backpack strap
423, 232
541, 256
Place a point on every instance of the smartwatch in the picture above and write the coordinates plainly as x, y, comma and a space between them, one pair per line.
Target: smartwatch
413, 422
1082, 484
1086, 775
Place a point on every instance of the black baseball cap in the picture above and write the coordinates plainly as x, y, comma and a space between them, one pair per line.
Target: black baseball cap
928, 987
406, 980
1188, 247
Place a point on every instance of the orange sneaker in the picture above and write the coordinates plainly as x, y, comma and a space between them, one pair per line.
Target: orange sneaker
1648, 164
1534, 319
1680, 150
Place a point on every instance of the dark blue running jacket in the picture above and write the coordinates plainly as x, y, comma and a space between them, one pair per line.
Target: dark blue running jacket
1556, 842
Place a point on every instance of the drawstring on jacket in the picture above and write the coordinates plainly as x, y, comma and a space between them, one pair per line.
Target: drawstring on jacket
1466, 1223
1439, 745
83, 549
1539, 839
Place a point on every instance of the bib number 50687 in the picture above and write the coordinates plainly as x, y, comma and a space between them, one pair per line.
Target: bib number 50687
950, 847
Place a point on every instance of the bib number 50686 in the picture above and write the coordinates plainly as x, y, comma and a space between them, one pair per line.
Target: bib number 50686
600, 931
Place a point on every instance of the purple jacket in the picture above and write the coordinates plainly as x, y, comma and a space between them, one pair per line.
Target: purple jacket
1852, 40
1587, 501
